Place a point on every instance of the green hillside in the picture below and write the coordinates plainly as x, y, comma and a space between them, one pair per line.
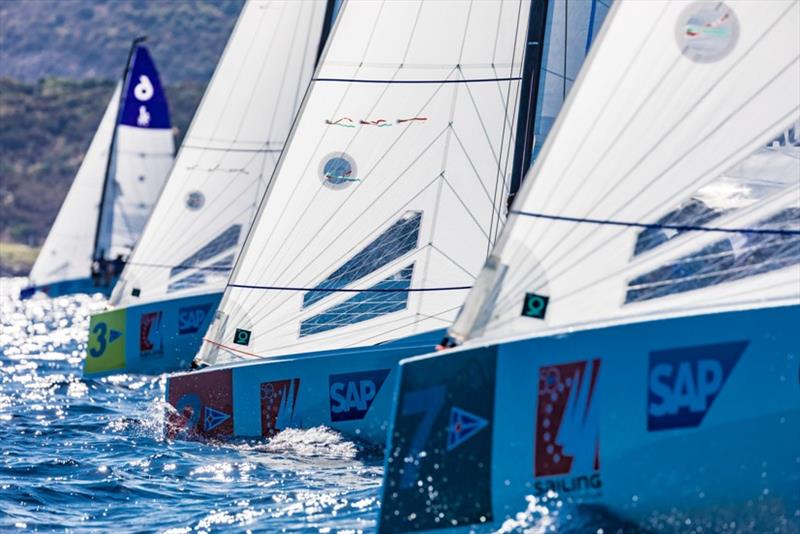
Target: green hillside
83, 39
45, 128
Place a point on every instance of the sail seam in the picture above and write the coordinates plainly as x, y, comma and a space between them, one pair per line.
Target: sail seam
444, 81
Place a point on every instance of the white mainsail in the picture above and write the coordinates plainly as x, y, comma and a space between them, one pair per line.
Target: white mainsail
381, 209
677, 103
228, 155
69, 248
108, 203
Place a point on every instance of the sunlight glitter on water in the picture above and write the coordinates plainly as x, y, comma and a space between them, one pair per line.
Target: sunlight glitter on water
91, 454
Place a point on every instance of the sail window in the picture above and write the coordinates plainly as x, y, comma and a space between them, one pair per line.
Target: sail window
218, 269
338, 170
725, 260
387, 296
226, 240
400, 238
195, 200
765, 172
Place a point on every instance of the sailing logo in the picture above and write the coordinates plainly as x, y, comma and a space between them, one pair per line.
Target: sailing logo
213, 418
143, 91
567, 443
352, 394
338, 170
278, 403
707, 32
463, 425
191, 318
242, 336
534, 305
684, 383
150, 341
143, 119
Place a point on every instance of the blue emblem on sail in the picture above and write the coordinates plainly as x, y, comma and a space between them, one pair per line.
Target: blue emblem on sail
463, 425
144, 104
213, 418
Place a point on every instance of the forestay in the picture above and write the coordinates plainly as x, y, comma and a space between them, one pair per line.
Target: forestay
141, 159
228, 155
395, 177
670, 183
68, 250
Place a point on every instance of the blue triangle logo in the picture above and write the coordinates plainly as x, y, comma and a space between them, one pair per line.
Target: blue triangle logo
213, 418
114, 335
463, 425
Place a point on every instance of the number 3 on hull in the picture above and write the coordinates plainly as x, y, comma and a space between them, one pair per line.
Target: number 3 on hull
106, 348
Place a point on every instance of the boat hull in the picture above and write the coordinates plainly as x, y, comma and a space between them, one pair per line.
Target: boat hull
68, 287
348, 390
151, 338
695, 417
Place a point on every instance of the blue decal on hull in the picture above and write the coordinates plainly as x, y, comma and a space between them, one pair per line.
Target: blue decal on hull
683, 383
192, 318
352, 394
463, 425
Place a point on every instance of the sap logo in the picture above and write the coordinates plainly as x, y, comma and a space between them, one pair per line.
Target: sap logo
683, 383
351, 394
192, 318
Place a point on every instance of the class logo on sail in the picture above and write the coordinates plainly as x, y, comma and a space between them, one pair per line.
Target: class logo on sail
151, 342
278, 406
684, 383
567, 443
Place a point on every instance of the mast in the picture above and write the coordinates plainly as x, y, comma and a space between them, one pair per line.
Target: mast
327, 24
134, 44
529, 92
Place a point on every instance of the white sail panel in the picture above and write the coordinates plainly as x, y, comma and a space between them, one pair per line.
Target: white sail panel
141, 159
228, 155
673, 96
395, 179
67, 251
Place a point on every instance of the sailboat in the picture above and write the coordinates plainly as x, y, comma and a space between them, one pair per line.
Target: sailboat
630, 343
386, 201
111, 197
172, 284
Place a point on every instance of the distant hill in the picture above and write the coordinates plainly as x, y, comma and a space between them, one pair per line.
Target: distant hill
59, 61
45, 128
82, 39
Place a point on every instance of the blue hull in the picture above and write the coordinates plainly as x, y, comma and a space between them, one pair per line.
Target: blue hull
68, 287
696, 416
348, 390
152, 338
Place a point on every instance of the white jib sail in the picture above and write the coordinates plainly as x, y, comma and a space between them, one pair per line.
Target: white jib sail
672, 122
228, 155
393, 181
67, 251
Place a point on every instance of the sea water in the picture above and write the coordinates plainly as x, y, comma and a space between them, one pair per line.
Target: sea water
90, 455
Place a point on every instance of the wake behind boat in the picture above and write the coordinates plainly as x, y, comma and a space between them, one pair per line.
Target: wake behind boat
111, 197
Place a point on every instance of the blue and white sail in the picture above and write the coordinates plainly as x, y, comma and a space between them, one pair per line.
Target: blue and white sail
226, 160
383, 206
108, 203
683, 194
141, 160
